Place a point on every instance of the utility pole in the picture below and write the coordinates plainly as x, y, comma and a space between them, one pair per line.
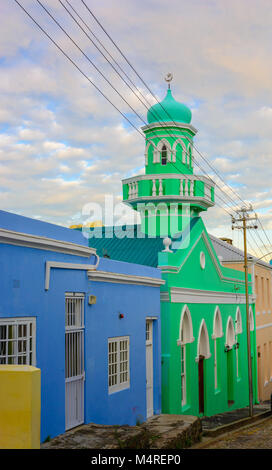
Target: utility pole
242, 223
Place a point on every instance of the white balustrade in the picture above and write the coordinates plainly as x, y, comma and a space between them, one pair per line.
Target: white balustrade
154, 192
191, 187
186, 188
160, 187
133, 190
181, 188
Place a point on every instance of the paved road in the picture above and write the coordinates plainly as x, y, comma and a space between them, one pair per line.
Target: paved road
258, 436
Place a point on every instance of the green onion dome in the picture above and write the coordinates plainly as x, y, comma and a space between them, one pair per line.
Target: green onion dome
169, 110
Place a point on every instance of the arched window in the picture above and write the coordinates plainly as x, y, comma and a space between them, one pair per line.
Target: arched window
217, 324
230, 342
179, 151
185, 336
203, 346
164, 155
151, 153
217, 333
186, 327
189, 155
164, 151
238, 322
230, 334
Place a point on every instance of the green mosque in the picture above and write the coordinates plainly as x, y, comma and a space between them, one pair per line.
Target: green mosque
203, 308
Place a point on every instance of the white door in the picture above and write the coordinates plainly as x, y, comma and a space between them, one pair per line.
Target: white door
149, 368
74, 360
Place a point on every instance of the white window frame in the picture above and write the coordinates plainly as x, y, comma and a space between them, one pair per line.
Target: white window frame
148, 331
74, 310
119, 385
217, 333
16, 322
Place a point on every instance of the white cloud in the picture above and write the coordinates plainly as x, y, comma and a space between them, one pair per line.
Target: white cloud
62, 144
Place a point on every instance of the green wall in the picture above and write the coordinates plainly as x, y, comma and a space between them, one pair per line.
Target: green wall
231, 387
216, 399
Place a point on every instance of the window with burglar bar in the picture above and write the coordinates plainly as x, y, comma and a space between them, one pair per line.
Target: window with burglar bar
118, 363
74, 310
18, 341
74, 334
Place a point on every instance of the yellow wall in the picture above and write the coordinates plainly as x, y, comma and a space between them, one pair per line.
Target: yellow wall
20, 407
262, 288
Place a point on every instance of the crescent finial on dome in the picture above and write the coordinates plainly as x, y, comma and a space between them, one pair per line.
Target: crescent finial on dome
168, 79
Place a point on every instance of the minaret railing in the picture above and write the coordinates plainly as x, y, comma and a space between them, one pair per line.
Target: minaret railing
187, 187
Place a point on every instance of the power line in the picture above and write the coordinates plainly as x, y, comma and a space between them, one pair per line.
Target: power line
45, 9
162, 124
78, 68
90, 81
106, 50
171, 119
215, 171
251, 234
265, 233
88, 58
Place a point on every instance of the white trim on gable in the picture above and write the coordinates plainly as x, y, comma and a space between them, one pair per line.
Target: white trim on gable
217, 264
11, 237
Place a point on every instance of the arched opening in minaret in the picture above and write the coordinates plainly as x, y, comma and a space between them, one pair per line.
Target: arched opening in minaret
164, 155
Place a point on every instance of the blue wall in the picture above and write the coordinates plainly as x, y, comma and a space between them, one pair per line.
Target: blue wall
29, 298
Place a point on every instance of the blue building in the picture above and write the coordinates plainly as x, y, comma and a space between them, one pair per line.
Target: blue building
92, 325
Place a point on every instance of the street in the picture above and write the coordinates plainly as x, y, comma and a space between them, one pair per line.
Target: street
257, 436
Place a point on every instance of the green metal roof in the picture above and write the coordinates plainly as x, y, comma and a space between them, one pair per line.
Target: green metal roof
128, 243
129, 248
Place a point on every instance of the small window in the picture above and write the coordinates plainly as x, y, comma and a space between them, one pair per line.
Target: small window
18, 341
202, 260
164, 155
118, 363
147, 330
74, 310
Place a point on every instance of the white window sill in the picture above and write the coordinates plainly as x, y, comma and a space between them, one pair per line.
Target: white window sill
119, 388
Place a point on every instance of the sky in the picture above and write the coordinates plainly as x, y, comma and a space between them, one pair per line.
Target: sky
62, 145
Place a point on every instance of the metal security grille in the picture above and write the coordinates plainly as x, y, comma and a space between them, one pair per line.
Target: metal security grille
74, 359
18, 341
118, 363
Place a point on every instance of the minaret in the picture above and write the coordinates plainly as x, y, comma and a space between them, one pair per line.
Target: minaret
168, 192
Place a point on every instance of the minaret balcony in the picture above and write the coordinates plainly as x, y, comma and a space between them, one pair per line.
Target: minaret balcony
195, 189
